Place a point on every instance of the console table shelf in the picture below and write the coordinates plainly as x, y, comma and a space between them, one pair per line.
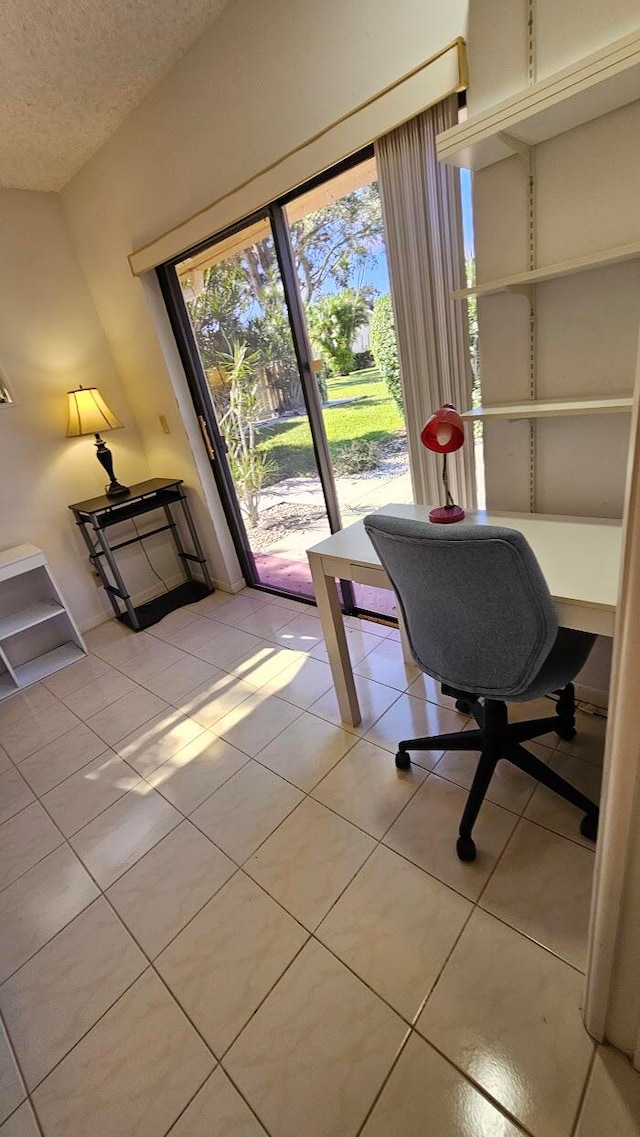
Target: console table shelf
602, 82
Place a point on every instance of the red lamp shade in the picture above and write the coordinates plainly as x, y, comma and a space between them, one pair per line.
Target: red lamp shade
444, 431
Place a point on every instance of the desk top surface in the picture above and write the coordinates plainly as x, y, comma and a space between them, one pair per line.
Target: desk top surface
140, 489
579, 556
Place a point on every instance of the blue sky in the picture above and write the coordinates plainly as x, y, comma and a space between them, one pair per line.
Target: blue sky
377, 275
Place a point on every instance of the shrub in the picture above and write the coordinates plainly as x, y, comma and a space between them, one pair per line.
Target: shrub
333, 321
364, 360
355, 457
385, 348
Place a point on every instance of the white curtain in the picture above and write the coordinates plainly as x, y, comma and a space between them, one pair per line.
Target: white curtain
425, 250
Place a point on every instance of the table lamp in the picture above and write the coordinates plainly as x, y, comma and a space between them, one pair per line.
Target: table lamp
89, 414
443, 433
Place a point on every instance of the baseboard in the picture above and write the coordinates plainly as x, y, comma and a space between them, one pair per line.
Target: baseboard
592, 696
232, 586
157, 589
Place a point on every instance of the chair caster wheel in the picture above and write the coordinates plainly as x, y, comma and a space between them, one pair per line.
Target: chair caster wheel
463, 706
466, 849
589, 826
403, 761
566, 733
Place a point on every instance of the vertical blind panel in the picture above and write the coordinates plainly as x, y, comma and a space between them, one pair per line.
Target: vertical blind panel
425, 250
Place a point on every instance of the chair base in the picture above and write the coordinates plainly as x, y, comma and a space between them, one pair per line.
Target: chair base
496, 738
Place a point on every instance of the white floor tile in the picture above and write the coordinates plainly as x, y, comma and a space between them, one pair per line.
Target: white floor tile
87, 793
37, 905
240, 815
12, 1090
24, 840
408, 718
309, 860
218, 1103
315, 1054
612, 1101
22, 1123
125, 714
305, 751
427, 830
167, 886
366, 788
228, 958
148, 1055
426, 1095
196, 771
61, 758
255, 722
15, 794
395, 926
117, 838
59, 994
542, 887
509, 1015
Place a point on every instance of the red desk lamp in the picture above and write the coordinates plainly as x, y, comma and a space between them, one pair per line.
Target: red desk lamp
443, 433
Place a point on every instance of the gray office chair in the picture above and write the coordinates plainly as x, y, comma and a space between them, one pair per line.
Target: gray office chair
480, 620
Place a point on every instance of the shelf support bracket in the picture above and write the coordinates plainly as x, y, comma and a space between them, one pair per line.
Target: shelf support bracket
526, 290
522, 149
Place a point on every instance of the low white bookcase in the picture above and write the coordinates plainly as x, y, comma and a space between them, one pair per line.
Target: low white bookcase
38, 634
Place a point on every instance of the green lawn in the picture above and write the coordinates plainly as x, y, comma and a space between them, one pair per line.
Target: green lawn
372, 417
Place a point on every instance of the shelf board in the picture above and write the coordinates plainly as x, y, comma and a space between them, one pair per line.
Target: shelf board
28, 618
552, 408
7, 686
587, 89
44, 665
523, 280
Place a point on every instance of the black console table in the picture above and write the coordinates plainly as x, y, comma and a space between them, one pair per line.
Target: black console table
97, 515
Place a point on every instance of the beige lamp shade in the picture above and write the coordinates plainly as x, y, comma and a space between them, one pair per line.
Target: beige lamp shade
88, 413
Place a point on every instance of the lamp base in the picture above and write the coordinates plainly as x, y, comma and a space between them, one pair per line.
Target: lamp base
105, 458
446, 514
114, 489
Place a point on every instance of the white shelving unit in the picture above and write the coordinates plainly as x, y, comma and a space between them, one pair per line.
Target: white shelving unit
522, 281
591, 87
38, 634
602, 82
552, 408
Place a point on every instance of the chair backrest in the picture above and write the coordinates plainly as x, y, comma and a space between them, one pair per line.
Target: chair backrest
477, 610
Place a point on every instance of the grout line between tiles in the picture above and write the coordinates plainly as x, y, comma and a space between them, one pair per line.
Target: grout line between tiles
18, 1064
151, 966
377, 842
585, 1087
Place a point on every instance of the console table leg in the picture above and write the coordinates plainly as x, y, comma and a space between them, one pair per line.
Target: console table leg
196, 541
117, 576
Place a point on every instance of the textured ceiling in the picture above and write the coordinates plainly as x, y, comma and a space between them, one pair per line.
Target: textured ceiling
70, 71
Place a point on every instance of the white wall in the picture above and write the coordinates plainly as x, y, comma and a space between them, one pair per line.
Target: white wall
266, 77
585, 200
51, 341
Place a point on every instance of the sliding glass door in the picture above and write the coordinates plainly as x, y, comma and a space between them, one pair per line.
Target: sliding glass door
253, 403
338, 243
286, 330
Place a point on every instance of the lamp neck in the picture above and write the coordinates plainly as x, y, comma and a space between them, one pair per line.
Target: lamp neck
448, 500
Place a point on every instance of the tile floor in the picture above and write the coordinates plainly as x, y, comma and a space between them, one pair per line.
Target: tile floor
223, 913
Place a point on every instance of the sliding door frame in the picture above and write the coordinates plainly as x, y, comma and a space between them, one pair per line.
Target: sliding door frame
214, 441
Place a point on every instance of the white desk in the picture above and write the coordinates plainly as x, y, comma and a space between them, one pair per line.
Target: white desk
579, 556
